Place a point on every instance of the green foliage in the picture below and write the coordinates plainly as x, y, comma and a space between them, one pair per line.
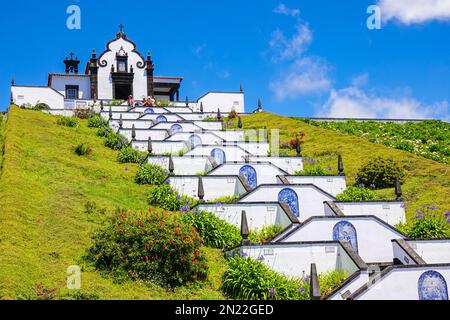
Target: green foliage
429, 223
215, 232
67, 121
249, 279
91, 207
312, 171
153, 246
265, 233
162, 103
83, 149
115, 140
356, 194
429, 139
104, 131
130, 155
116, 102
83, 113
380, 173
225, 199
331, 280
97, 122
41, 106
167, 198
151, 174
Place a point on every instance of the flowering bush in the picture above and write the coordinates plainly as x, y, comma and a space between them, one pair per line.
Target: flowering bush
429, 223
356, 194
97, 122
265, 233
167, 198
380, 173
115, 141
216, 232
312, 171
130, 155
150, 174
104, 131
152, 246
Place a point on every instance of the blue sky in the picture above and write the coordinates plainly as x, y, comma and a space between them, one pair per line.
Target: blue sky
303, 57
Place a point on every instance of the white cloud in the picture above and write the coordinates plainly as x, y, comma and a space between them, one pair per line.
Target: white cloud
414, 11
282, 9
223, 74
352, 102
285, 48
308, 75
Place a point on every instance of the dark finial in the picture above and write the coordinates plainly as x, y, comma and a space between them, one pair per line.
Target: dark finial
110, 113
314, 289
219, 115
298, 147
171, 166
94, 54
341, 166
244, 228
241, 88
133, 132
112, 68
12, 81
131, 69
187, 101
101, 105
259, 103
398, 189
247, 159
11, 100
121, 122
201, 191
149, 56
149, 145
121, 26
266, 134
201, 107
239, 123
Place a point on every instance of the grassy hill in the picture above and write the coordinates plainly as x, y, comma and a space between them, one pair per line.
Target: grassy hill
427, 182
44, 187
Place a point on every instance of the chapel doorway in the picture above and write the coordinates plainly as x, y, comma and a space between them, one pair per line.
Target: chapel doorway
122, 91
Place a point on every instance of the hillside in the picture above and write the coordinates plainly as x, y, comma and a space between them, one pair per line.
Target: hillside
44, 187
427, 182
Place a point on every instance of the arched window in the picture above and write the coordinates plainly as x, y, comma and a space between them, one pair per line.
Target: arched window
345, 231
176, 128
219, 155
290, 198
194, 140
250, 174
161, 119
432, 286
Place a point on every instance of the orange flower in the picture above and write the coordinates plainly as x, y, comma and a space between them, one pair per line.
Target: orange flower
146, 259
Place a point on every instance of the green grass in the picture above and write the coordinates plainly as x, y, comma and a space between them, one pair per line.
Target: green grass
44, 229
427, 181
2, 131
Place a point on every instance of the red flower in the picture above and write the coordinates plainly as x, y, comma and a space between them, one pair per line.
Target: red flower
150, 209
177, 232
146, 259
196, 253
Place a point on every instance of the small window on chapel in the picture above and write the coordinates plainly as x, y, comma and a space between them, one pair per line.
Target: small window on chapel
72, 92
122, 66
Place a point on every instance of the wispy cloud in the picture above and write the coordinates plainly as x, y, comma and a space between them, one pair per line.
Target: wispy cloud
354, 102
305, 76
414, 11
197, 51
285, 48
282, 9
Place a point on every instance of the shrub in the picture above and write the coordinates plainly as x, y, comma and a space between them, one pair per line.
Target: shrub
90, 207
153, 246
215, 232
265, 233
83, 149
331, 280
104, 131
115, 141
380, 173
312, 171
97, 122
130, 155
356, 194
429, 223
41, 106
67, 121
249, 279
83, 113
167, 198
151, 174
